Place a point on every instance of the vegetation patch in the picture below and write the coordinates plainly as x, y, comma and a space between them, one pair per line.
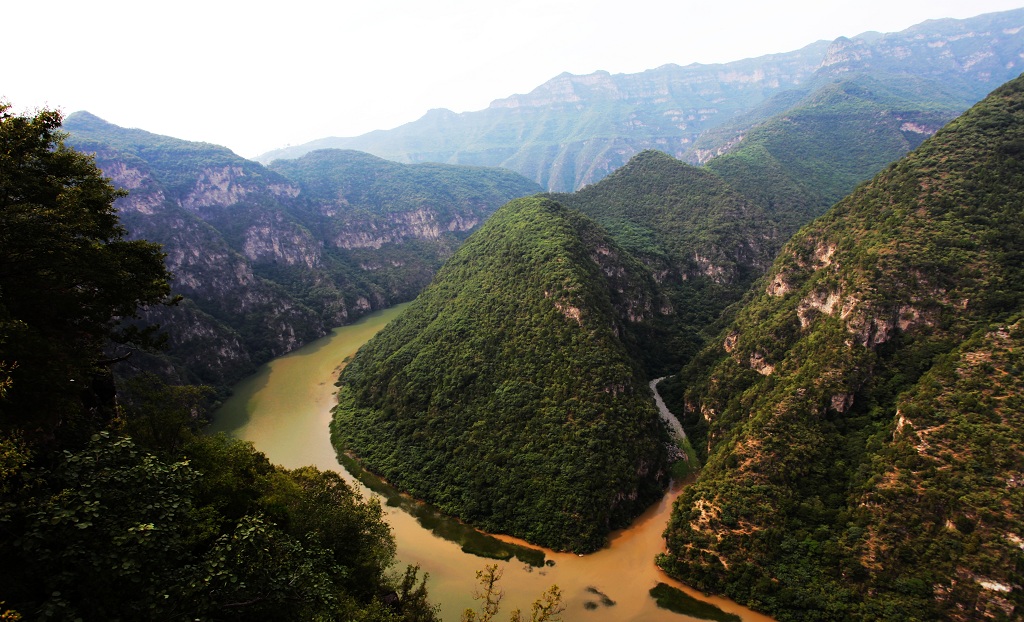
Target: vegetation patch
678, 601
472, 541
473, 400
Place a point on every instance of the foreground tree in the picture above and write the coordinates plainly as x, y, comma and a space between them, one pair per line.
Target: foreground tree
69, 277
172, 526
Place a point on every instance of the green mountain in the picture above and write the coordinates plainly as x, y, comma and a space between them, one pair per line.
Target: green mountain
507, 394
860, 415
799, 162
269, 259
703, 242
573, 130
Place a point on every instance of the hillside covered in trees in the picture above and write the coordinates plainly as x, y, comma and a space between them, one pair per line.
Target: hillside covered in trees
703, 242
860, 415
508, 394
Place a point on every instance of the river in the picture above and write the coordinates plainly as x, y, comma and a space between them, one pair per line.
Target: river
284, 410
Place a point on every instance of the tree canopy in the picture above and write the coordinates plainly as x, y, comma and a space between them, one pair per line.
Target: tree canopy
95, 524
69, 276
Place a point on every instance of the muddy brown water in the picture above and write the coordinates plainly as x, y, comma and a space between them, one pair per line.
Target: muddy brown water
284, 410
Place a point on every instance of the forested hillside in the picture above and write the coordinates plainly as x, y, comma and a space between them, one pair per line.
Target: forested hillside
573, 130
860, 415
270, 259
508, 393
703, 242
797, 163
111, 506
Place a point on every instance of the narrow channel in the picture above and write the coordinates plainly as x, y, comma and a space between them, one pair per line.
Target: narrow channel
284, 410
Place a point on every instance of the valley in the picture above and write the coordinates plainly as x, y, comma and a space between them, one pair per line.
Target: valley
285, 409
293, 388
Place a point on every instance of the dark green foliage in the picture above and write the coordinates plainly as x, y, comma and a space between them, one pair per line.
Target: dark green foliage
859, 415
679, 601
94, 525
68, 277
474, 399
218, 535
704, 242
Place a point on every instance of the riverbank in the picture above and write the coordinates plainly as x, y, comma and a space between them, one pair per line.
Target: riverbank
285, 411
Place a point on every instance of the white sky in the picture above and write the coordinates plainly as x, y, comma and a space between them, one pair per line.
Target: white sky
256, 75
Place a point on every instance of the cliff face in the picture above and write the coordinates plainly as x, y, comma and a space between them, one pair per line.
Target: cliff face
840, 413
267, 264
573, 130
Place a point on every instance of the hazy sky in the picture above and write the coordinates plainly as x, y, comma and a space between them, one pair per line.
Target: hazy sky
258, 75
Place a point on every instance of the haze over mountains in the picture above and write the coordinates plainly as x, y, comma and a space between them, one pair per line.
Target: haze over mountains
853, 393
574, 130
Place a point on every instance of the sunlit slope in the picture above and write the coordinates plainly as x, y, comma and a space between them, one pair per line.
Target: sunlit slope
861, 414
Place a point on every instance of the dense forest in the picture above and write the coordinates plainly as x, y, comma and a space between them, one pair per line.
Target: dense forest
860, 416
703, 242
111, 506
474, 398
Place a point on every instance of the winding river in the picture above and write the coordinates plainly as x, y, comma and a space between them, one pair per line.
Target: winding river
284, 409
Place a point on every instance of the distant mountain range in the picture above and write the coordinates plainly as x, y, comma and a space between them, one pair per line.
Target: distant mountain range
573, 130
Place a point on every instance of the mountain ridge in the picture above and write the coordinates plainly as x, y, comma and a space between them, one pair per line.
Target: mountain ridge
269, 259
472, 398
587, 126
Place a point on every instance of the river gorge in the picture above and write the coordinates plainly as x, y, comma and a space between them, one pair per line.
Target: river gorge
284, 410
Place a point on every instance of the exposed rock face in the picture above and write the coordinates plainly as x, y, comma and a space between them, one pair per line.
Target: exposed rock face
868, 376
422, 224
272, 239
974, 49
259, 257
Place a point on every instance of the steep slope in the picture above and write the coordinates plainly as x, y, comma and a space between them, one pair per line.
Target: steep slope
574, 130
507, 393
704, 243
802, 160
863, 458
267, 262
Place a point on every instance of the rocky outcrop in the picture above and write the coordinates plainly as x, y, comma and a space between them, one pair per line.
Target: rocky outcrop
421, 224
266, 264
864, 393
